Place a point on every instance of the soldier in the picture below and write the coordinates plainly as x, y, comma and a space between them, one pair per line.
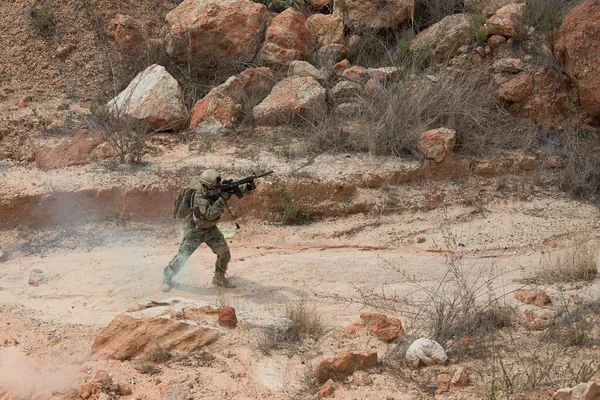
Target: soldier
201, 227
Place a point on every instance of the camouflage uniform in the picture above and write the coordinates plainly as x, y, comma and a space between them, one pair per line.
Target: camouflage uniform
201, 227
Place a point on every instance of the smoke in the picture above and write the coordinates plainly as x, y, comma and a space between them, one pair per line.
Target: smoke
22, 378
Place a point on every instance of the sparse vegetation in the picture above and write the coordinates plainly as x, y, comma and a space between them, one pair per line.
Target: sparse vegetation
291, 213
576, 263
42, 18
546, 15
306, 321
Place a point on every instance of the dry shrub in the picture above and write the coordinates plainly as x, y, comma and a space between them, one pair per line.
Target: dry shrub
429, 12
42, 18
396, 116
546, 15
574, 264
306, 321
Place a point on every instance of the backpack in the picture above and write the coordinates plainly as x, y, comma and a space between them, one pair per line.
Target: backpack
183, 203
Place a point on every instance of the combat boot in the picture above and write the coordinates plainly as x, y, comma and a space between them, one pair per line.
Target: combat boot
167, 284
220, 280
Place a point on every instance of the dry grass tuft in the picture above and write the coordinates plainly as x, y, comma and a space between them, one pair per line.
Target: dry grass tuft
574, 264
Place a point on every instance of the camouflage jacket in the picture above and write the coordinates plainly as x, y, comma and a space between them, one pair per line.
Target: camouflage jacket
206, 211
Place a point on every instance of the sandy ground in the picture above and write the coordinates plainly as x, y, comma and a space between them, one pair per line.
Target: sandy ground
98, 271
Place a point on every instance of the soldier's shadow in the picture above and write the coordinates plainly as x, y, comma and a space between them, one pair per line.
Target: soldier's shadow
245, 289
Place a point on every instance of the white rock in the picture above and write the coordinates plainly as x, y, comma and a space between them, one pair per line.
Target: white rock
153, 96
427, 351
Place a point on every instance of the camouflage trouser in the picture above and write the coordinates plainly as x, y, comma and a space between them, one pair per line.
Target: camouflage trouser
194, 237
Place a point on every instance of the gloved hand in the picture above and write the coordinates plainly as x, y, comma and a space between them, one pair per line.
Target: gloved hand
250, 186
225, 195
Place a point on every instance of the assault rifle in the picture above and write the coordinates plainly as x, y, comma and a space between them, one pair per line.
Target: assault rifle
234, 187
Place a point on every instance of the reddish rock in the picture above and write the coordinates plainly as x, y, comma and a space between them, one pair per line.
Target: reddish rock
295, 98
319, 4
537, 297
327, 389
505, 20
153, 96
326, 29
227, 317
304, 68
386, 329
443, 382
257, 82
517, 89
373, 14
577, 49
126, 33
75, 151
178, 325
102, 377
125, 390
488, 7
357, 74
221, 104
420, 239
340, 67
210, 31
495, 41
524, 296
461, 378
542, 299
345, 364
287, 39
437, 144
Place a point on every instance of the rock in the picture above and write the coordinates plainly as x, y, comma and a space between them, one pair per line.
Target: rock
37, 277
294, 98
213, 31
426, 351
341, 66
576, 47
443, 383
345, 364
508, 65
153, 96
75, 151
386, 329
211, 127
582, 391
437, 144
124, 390
328, 55
64, 50
421, 239
495, 41
126, 33
257, 82
287, 39
373, 14
327, 389
221, 104
461, 378
227, 317
356, 74
488, 7
505, 20
443, 39
516, 90
176, 325
326, 29
345, 91
536, 297
304, 68
319, 4
348, 110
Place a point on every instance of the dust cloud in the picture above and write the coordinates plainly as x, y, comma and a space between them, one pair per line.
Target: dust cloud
22, 378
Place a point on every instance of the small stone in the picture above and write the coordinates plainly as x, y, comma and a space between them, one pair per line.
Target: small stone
461, 378
37, 277
421, 239
327, 389
227, 317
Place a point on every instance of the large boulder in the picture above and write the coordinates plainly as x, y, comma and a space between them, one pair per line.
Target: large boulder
577, 49
517, 89
437, 144
126, 33
177, 325
221, 104
153, 96
506, 20
75, 151
373, 14
210, 31
287, 39
293, 99
257, 82
442, 40
326, 29
488, 7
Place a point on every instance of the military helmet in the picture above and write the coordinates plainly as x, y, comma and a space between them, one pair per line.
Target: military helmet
209, 178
